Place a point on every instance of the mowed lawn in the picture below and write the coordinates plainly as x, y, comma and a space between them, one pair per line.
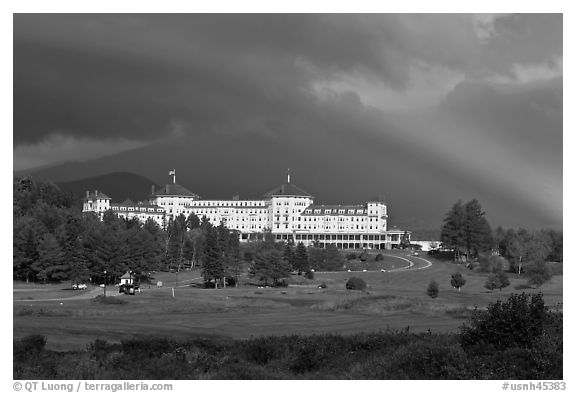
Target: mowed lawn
394, 300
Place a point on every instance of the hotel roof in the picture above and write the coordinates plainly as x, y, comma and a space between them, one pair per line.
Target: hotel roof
174, 189
95, 195
287, 189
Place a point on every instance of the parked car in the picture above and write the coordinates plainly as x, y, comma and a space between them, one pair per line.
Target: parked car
128, 289
79, 286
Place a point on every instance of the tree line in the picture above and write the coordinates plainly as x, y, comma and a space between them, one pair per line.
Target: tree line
467, 233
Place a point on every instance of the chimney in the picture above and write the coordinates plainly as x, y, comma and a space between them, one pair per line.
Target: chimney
153, 189
87, 194
96, 192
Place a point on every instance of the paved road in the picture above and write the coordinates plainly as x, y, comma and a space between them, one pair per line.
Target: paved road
91, 293
426, 265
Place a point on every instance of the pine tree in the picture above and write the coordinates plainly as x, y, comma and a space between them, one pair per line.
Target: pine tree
452, 234
301, 263
51, 261
269, 265
192, 222
492, 282
261, 267
466, 229
477, 232
27, 232
288, 254
405, 240
432, 290
212, 268
333, 259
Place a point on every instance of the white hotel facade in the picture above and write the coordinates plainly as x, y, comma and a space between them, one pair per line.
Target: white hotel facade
287, 210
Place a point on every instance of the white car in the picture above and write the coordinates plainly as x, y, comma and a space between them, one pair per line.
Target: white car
79, 286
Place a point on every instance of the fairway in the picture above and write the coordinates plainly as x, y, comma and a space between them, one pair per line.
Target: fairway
394, 300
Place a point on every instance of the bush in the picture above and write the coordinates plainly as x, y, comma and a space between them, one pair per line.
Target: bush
432, 290
230, 282
492, 264
350, 256
379, 257
30, 345
517, 323
538, 273
108, 300
364, 256
260, 350
356, 283
309, 275
281, 284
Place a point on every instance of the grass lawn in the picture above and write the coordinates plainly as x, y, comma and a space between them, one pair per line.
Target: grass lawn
393, 300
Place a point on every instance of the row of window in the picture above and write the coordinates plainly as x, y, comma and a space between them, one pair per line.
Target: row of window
140, 209
227, 203
334, 211
297, 203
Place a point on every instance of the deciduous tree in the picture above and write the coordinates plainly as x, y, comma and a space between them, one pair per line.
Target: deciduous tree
457, 281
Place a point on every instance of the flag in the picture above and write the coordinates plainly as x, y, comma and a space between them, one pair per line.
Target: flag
172, 172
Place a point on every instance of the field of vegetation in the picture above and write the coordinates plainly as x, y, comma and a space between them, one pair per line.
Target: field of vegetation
515, 339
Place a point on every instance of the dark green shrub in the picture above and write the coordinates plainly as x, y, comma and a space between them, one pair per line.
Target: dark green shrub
518, 322
379, 257
230, 282
29, 346
309, 275
281, 284
261, 350
147, 347
308, 359
356, 283
432, 290
538, 273
364, 256
350, 256
108, 300
429, 359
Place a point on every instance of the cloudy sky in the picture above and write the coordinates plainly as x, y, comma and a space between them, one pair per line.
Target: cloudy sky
460, 104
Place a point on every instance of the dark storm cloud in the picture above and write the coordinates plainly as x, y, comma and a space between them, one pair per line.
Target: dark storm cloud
137, 75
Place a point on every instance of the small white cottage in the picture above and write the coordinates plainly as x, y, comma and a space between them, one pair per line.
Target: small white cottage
126, 279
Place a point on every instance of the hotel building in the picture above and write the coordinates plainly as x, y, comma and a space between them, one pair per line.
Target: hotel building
287, 210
